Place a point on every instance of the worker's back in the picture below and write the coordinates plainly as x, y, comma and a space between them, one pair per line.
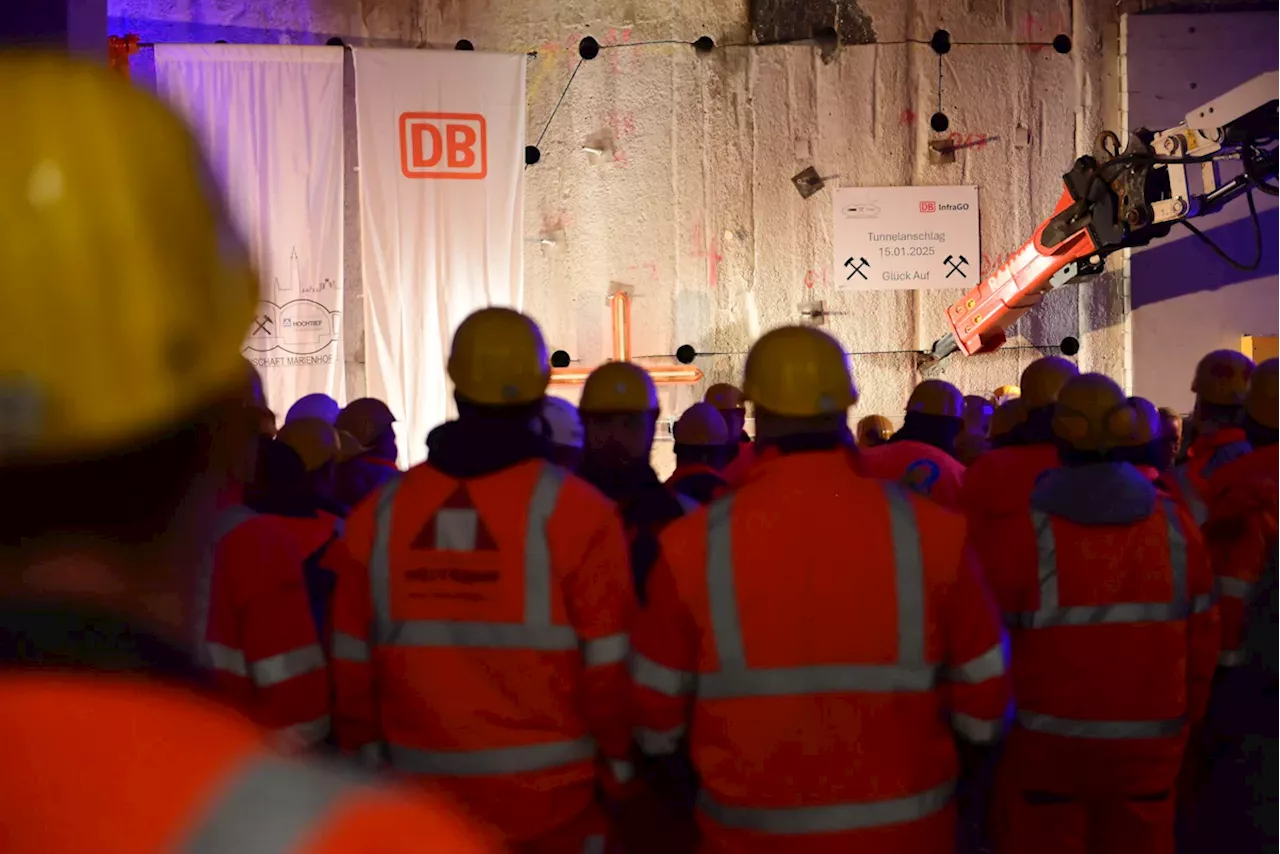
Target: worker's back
997, 490
122, 764
817, 722
481, 633
919, 467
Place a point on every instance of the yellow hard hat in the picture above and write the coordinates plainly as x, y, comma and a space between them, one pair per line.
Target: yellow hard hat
1005, 393
125, 296
366, 419
1261, 400
349, 447
619, 387
874, 425
936, 397
701, 424
1007, 417
1044, 378
315, 440
1092, 414
498, 358
1146, 425
798, 371
1222, 377
724, 396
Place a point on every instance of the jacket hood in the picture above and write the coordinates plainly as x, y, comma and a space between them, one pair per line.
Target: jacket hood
464, 449
1100, 494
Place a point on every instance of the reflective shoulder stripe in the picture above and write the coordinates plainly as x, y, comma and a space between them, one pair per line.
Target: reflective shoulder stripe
1047, 560
1203, 602
1195, 504
537, 550
976, 730
657, 677
908, 568
348, 648
225, 658
1177, 541
833, 818
687, 504
1236, 588
270, 806
492, 761
380, 559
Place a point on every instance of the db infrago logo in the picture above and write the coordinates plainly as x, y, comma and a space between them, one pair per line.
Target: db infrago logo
443, 145
934, 207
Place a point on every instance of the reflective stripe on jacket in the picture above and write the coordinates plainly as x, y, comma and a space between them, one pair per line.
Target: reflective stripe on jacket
813, 682
481, 639
259, 639
1113, 627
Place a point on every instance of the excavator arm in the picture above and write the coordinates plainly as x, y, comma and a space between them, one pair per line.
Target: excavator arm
1124, 200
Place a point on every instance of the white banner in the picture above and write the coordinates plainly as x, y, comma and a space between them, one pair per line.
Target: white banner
441, 207
270, 118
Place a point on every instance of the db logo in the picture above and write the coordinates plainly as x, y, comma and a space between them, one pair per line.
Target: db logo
928, 207
442, 145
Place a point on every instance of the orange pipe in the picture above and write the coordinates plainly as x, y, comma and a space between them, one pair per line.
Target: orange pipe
620, 305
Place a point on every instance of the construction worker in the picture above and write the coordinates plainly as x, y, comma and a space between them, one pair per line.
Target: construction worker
727, 398
560, 424
116, 437
1107, 590
700, 439
919, 456
821, 722
997, 487
316, 405
1170, 437
1006, 420
1236, 810
1141, 447
370, 422
1219, 386
482, 611
619, 408
972, 441
873, 431
319, 446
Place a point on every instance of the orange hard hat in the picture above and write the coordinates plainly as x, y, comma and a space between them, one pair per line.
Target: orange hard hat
701, 424
1005, 393
366, 419
1092, 414
724, 396
1222, 378
1260, 402
314, 440
619, 387
1044, 378
936, 397
873, 425
1147, 427
1007, 417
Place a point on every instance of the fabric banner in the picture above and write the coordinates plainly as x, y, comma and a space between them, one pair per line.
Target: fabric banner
441, 137
270, 119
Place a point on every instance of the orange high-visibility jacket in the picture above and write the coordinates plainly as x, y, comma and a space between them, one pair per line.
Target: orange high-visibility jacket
920, 467
1113, 626
256, 629
736, 472
481, 633
127, 765
1206, 455
818, 684
701, 483
997, 491
1241, 533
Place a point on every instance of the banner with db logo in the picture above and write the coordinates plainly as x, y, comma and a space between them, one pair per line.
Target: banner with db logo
441, 137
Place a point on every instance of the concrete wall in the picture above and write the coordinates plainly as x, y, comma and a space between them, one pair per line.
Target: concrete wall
695, 209
1187, 301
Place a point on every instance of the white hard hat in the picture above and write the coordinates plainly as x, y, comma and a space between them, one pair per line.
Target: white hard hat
314, 406
559, 423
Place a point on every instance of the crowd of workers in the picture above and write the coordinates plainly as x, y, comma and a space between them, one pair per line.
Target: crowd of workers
1029, 623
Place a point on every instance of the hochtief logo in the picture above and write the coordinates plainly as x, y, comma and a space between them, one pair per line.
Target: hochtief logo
443, 145
931, 207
